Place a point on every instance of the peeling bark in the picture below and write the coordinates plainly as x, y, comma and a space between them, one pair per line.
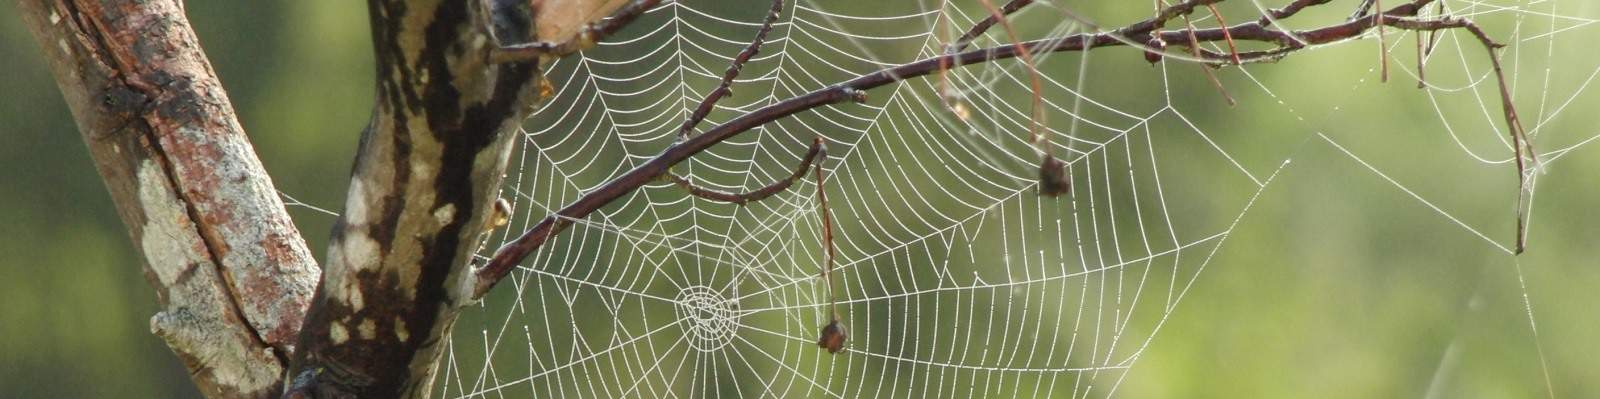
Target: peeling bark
230, 270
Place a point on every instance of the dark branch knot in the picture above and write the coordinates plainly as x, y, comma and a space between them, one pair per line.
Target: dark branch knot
856, 95
1156, 48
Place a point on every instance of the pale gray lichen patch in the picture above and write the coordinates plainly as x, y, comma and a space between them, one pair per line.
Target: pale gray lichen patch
337, 333
360, 251
355, 299
445, 214
355, 207
479, 42
368, 329
219, 351
422, 171
269, 271
465, 288
400, 331
195, 323
342, 287
169, 242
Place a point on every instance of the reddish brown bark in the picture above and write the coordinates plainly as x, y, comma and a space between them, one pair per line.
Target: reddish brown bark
229, 268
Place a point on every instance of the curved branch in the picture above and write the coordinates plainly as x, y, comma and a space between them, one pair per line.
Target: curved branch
818, 150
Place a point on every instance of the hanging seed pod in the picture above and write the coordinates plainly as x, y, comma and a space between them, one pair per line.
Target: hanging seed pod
833, 336
1053, 178
1156, 48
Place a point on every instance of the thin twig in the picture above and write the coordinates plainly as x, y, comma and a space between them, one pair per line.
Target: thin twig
834, 333
1036, 134
818, 151
1228, 37
1362, 10
827, 237
982, 26
946, 96
1194, 49
978, 29
1433, 39
586, 38
725, 88
1383, 50
1521, 146
1287, 11
1421, 63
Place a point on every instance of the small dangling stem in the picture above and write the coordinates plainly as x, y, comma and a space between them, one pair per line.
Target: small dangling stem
833, 334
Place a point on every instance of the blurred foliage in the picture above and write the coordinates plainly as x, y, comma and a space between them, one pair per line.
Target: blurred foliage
1337, 284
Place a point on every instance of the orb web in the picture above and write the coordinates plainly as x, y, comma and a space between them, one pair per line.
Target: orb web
710, 319
955, 278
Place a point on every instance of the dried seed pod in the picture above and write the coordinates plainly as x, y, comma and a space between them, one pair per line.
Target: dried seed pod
1053, 178
1156, 48
833, 336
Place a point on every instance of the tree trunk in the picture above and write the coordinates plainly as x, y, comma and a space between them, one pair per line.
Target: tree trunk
230, 270
429, 168
234, 276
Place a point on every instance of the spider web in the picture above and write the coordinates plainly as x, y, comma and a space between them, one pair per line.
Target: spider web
954, 277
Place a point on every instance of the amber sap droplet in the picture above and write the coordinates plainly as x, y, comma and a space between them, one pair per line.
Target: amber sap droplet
1053, 178
833, 336
501, 214
1156, 47
545, 88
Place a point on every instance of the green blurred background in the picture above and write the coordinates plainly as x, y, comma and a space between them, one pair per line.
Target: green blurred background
1336, 284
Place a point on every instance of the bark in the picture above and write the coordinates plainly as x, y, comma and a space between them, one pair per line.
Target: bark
233, 274
425, 179
229, 268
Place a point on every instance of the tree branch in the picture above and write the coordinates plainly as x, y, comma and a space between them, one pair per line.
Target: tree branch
983, 25
590, 34
817, 150
725, 87
231, 273
508, 256
421, 195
